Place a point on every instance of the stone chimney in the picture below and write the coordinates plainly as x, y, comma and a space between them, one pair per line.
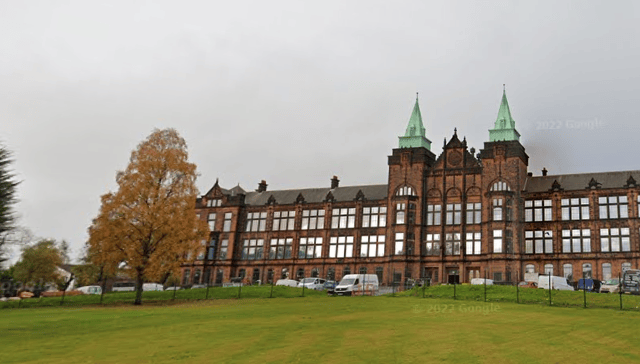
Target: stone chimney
335, 182
544, 171
262, 186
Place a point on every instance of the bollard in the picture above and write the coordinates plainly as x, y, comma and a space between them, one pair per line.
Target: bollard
517, 293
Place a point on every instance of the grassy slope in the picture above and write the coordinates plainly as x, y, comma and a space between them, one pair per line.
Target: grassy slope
320, 329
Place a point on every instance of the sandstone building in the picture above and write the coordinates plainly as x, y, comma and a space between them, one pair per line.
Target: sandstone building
448, 217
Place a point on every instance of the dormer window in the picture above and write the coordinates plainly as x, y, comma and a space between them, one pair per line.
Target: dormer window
214, 203
405, 191
500, 186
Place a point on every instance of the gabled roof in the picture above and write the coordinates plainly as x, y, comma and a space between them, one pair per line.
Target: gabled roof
315, 195
575, 182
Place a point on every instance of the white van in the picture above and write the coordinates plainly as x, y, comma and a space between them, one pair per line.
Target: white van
312, 283
152, 287
287, 282
124, 287
90, 289
357, 284
557, 283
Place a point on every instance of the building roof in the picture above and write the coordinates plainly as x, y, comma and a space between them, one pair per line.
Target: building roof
314, 195
415, 135
505, 126
575, 182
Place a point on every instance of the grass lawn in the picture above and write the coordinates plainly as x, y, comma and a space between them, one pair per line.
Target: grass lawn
320, 329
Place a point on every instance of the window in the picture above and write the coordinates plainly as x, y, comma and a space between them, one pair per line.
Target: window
346, 270
331, 274
474, 213
363, 270
497, 241
242, 273
548, 269
315, 272
312, 219
576, 241
310, 248
575, 208
227, 221
453, 214
452, 244
212, 221
203, 249
343, 218
252, 249
500, 186
374, 217
283, 220
567, 271
497, 209
379, 271
530, 268
256, 221
613, 207
400, 213
538, 242
606, 271
341, 247
405, 191
211, 252
625, 267
497, 276
614, 240
434, 213
538, 210
300, 273
280, 248
432, 245
587, 272
186, 276
224, 246
214, 203
399, 247
372, 246
474, 243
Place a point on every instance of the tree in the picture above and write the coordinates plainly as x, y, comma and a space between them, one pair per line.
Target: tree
149, 223
39, 263
8, 186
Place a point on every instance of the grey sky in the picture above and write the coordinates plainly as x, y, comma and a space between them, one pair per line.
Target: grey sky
296, 91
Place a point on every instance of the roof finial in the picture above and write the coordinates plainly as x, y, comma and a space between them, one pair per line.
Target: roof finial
504, 88
416, 96
455, 131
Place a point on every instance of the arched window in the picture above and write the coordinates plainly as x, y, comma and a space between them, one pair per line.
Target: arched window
500, 186
530, 268
363, 270
606, 271
587, 271
548, 269
315, 272
567, 271
405, 191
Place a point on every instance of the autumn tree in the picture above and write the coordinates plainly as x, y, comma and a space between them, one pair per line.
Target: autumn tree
8, 186
149, 223
39, 263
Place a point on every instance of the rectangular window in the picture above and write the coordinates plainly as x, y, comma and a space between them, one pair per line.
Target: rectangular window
538, 242
434, 213
252, 249
372, 246
576, 241
224, 247
211, 219
214, 203
256, 221
452, 244
575, 208
343, 218
310, 248
374, 217
474, 213
432, 245
312, 219
280, 248
227, 221
454, 212
613, 207
614, 240
474, 243
283, 220
211, 252
399, 248
201, 254
400, 213
497, 241
538, 210
341, 247
497, 209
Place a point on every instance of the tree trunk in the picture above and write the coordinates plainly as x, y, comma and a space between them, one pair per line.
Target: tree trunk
139, 282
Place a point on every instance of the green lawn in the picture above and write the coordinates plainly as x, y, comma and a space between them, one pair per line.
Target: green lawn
320, 329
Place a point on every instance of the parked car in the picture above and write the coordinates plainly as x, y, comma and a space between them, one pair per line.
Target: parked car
90, 289
590, 285
124, 287
330, 285
353, 284
152, 287
610, 286
287, 282
197, 286
312, 283
631, 281
173, 288
557, 283
481, 281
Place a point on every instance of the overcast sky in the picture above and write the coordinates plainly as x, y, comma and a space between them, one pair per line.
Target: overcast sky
294, 92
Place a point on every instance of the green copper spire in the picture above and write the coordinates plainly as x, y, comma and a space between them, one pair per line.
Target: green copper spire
505, 128
415, 137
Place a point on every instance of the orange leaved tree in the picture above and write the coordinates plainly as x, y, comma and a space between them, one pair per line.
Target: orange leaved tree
149, 223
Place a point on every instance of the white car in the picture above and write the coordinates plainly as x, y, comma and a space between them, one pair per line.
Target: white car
90, 289
124, 287
287, 282
312, 283
480, 281
173, 288
152, 287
